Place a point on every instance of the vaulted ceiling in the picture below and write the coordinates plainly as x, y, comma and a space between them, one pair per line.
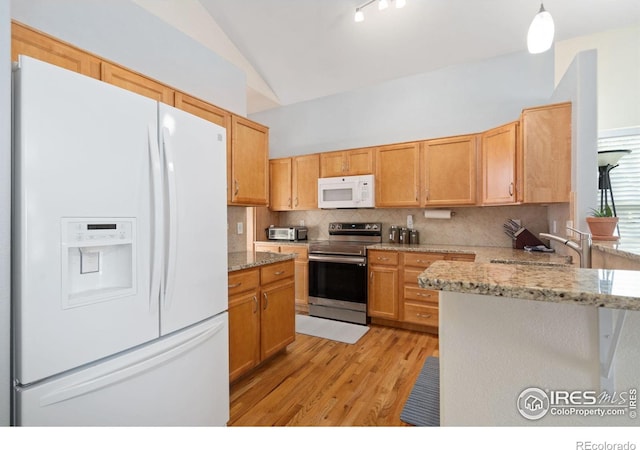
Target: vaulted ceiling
298, 50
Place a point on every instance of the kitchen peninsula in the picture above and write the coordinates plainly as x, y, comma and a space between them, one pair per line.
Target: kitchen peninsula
520, 326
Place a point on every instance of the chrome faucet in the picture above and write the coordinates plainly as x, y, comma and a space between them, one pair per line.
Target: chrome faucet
583, 249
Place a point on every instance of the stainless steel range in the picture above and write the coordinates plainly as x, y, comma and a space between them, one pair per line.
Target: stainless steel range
338, 271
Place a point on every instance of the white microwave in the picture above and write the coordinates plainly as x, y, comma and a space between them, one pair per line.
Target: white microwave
346, 192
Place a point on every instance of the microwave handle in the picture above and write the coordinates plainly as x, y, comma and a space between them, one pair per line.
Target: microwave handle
359, 192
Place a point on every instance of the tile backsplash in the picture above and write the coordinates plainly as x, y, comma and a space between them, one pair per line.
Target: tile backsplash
478, 226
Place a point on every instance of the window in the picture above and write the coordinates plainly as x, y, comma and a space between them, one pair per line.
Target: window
625, 181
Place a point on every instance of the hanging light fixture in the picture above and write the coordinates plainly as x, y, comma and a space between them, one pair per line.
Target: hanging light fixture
382, 4
541, 31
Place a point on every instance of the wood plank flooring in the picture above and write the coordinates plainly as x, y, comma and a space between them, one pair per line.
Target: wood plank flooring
318, 382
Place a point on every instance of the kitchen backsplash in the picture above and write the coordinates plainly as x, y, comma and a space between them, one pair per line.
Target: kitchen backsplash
478, 226
467, 226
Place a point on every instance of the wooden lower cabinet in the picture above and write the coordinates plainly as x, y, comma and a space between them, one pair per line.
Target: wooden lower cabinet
383, 284
395, 298
301, 269
261, 315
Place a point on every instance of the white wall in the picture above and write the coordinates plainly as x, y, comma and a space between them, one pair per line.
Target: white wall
123, 32
618, 73
579, 85
5, 210
455, 100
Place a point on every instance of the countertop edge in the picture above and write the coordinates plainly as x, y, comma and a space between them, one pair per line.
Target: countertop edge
476, 281
247, 260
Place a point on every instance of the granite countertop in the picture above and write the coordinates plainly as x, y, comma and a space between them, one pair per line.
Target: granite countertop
618, 289
484, 254
619, 249
247, 260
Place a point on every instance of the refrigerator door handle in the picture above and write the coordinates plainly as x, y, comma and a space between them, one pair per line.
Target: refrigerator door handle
130, 370
156, 192
173, 218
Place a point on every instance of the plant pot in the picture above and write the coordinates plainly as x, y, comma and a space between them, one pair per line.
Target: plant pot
602, 228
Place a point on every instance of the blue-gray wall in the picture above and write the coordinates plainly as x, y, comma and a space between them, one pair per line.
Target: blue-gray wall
123, 32
455, 100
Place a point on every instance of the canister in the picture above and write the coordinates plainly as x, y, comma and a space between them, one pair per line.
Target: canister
404, 235
394, 234
414, 237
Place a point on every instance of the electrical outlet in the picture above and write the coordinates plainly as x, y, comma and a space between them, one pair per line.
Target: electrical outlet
569, 224
554, 226
301, 222
410, 221
240, 227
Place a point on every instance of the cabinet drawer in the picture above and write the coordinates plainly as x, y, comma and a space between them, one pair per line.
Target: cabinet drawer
301, 251
423, 260
276, 272
423, 295
243, 281
381, 257
410, 275
421, 314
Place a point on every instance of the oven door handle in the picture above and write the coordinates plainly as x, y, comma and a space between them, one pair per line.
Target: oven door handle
360, 260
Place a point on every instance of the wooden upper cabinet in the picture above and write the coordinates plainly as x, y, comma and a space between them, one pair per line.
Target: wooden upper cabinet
248, 163
203, 109
544, 165
304, 181
134, 82
29, 42
397, 171
293, 183
280, 184
499, 148
346, 163
449, 171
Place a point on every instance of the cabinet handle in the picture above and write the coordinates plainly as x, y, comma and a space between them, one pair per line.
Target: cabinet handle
424, 316
237, 187
279, 272
371, 276
511, 189
420, 294
266, 300
426, 194
255, 304
381, 258
289, 202
423, 261
231, 286
296, 204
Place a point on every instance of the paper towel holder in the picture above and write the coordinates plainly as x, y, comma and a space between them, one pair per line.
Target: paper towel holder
438, 213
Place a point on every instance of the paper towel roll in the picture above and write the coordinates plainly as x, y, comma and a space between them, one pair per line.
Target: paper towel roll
437, 214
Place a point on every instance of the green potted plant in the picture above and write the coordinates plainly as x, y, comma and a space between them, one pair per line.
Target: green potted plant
602, 223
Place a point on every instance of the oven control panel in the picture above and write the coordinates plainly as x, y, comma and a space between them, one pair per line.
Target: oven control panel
356, 228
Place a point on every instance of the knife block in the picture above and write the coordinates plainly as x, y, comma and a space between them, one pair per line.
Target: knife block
526, 238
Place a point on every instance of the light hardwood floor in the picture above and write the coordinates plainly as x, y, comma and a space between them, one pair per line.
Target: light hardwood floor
318, 382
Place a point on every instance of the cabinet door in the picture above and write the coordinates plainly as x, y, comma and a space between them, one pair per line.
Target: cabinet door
248, 164
280, 184
277, 318
203, 109
244, 333
137, 83
449, 171
29, 42
304, 182
545, 167
360, 161
266, 247
332, 164
499, 147
397, 175
383, 292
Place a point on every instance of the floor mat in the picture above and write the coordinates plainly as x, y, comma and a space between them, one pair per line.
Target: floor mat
423, 405
348, 333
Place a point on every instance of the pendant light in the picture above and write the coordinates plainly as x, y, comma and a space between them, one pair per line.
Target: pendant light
541, 31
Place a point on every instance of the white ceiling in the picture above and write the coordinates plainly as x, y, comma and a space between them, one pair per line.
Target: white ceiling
306, 49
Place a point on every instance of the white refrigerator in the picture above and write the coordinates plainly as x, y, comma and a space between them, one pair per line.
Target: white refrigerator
119, 257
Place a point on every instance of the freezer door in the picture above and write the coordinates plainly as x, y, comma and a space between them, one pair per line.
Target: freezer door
81, 162
178, 380
195, 276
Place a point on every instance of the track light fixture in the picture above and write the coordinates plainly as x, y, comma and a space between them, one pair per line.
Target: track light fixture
541, 31
382, 4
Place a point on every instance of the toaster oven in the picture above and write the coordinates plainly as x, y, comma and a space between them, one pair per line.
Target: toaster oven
287, 233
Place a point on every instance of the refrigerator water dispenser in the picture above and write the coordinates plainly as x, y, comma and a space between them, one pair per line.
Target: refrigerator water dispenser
98, 260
